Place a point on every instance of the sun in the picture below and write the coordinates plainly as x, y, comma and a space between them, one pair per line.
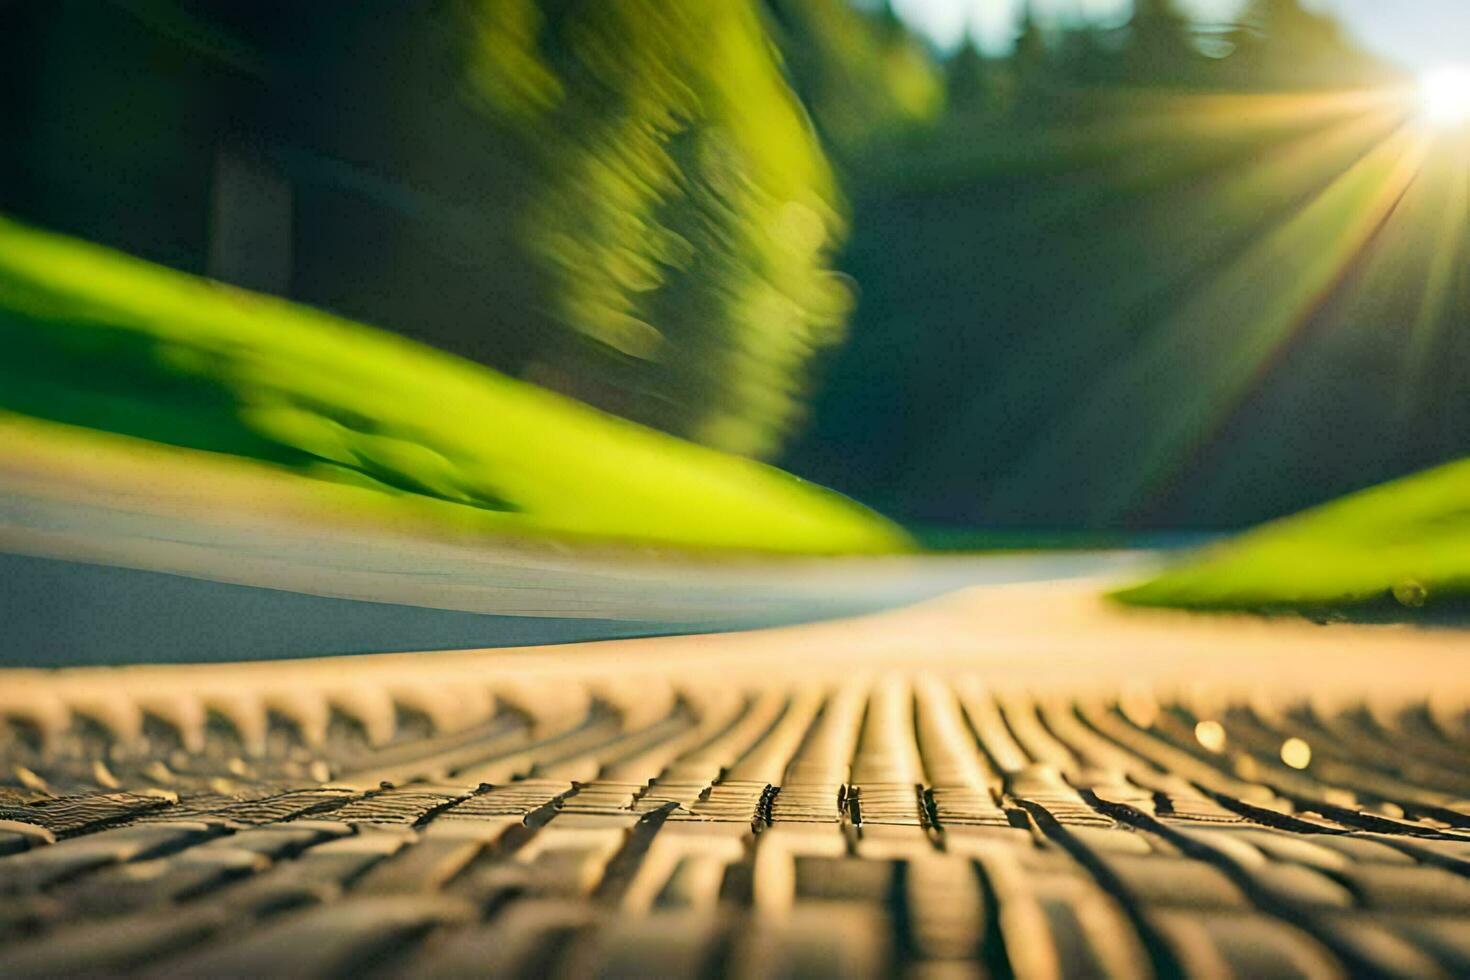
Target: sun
1444, 95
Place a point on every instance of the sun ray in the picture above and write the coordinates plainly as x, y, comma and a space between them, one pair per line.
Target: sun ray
1204, 358
1446, 258
1239, 199
1374, 219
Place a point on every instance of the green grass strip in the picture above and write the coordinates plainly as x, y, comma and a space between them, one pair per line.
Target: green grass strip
96, 339
1406, 541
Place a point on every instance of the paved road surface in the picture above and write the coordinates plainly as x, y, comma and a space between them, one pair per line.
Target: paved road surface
1008, 780
125, 571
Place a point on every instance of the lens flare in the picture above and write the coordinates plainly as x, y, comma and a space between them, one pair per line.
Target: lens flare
1444, 96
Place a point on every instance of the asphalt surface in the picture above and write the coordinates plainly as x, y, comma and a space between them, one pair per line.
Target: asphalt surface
71, 613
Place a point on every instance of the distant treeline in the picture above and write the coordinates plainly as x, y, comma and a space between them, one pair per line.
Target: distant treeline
1272, 45
1156, 274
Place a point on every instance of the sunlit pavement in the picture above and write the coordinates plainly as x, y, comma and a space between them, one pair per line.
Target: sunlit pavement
1008, 778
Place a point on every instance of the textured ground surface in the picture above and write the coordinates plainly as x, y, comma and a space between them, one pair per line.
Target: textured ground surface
1014, 781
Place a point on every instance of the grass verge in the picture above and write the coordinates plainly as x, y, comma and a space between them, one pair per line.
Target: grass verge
1406, 542
98, 340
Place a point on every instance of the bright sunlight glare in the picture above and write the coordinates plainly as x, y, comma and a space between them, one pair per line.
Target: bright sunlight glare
1444, 95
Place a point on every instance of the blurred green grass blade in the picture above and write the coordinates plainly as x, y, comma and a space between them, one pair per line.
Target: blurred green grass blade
97, 339
1408, 540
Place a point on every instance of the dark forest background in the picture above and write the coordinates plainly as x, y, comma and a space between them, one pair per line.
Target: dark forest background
1136, 275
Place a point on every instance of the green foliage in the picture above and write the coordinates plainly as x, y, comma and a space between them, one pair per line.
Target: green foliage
622, 199
1408, 540
95, 339
681, 206
864, 76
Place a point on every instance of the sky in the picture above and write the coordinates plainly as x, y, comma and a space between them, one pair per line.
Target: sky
1415, 33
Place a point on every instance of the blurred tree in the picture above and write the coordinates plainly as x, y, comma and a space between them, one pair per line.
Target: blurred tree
968, 77
862, 73
682, 207
1088, 54
622, 199
1032, 55
1281, 43
1158, 48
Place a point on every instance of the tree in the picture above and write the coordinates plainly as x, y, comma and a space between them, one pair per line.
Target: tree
1159, 48
967, 76
682, 207
1282, 43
